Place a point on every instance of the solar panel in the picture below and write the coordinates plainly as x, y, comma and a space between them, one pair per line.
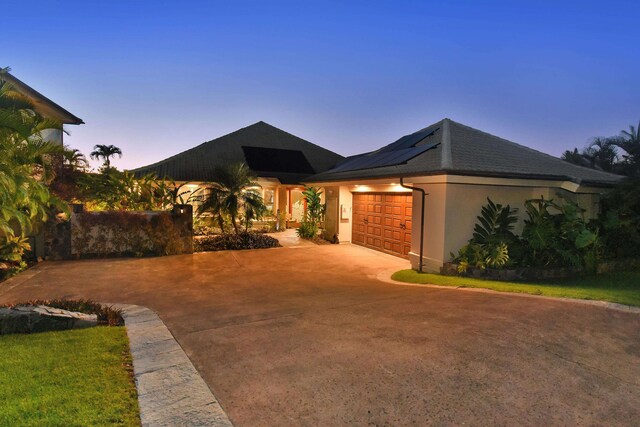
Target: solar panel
381, 159
262, 159
408, 141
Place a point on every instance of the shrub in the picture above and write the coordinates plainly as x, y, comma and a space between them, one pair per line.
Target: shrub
492, 238
308, 230
242, 240
560, 239
619, 221
106, 314
314, 215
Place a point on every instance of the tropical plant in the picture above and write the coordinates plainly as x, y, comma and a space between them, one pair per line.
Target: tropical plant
629, 141
603, 153
74, 159
105, 152
113, 189
492, 238
233, 191
307, 229
314, 214
26, 167
560, 239
618, 223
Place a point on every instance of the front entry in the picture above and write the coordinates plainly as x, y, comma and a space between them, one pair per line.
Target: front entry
382, 221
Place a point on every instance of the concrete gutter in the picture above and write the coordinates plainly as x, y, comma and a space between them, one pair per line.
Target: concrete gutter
170, 390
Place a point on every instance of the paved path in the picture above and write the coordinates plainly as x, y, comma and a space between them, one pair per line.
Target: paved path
309, 336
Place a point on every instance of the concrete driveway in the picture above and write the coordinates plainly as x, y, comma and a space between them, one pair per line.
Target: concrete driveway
309, 336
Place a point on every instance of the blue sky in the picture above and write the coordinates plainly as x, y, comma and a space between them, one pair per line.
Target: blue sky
156, 78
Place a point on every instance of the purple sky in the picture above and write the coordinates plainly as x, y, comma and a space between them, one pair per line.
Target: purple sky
158, 78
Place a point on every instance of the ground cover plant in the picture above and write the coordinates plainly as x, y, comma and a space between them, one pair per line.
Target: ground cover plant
64, 378
620, 287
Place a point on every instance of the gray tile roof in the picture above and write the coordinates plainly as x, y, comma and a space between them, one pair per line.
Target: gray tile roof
463, 150
196, 164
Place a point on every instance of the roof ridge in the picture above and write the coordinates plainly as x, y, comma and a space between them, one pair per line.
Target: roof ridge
446, 161
297, 137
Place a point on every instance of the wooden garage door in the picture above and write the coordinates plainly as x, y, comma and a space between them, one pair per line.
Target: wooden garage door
382, 221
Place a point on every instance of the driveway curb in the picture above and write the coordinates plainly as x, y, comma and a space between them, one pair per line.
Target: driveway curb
386, 277
171, 392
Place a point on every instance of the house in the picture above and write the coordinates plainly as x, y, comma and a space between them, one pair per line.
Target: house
280, 160
376, 199
44, 106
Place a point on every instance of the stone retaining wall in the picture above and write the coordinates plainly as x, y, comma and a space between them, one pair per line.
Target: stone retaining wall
121, 234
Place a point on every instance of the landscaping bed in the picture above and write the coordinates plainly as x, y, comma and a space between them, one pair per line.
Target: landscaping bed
74, 377
225, 242
621, 287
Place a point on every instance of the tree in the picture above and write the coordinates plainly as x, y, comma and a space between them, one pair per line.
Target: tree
629, 141
25, 171
602, 154
233, 191
575, 157
74, 159
105, 152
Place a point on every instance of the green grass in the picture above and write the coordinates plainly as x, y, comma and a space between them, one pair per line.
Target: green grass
620, 287
69, 378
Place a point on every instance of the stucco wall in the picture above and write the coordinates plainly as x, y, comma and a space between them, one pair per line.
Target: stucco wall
434, 226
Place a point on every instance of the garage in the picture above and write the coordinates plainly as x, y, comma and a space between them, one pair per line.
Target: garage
382, 221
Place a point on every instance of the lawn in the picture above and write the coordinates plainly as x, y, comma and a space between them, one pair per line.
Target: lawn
78, 377
620, 287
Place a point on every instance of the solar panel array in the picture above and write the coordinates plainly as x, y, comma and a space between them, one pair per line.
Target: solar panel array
384, 157
408, 141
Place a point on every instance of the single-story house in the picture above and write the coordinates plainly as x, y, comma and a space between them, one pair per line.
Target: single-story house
376, 199
280, 160
44, 106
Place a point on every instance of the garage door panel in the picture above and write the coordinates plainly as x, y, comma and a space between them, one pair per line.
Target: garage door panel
382, 221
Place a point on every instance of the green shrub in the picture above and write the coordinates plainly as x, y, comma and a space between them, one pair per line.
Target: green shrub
560, 239
308, 230
492, 238
242, 240
619, 221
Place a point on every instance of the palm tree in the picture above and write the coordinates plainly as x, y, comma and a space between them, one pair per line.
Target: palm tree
233, 191
575, 157
74, 159
105, 152
25, 200
629, 141
601, 153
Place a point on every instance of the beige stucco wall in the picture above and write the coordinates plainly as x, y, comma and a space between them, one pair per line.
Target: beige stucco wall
452, 210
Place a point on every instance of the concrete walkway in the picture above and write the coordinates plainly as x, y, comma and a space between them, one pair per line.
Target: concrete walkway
309, 336
289, 239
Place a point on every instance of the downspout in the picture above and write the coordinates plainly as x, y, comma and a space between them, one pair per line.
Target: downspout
424, 196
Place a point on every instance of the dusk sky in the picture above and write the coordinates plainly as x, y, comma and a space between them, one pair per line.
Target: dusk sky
157, 78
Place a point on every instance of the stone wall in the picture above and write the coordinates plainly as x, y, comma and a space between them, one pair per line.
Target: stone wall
121, 234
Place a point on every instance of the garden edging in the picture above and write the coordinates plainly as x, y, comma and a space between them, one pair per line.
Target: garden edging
386, 277
170, 390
